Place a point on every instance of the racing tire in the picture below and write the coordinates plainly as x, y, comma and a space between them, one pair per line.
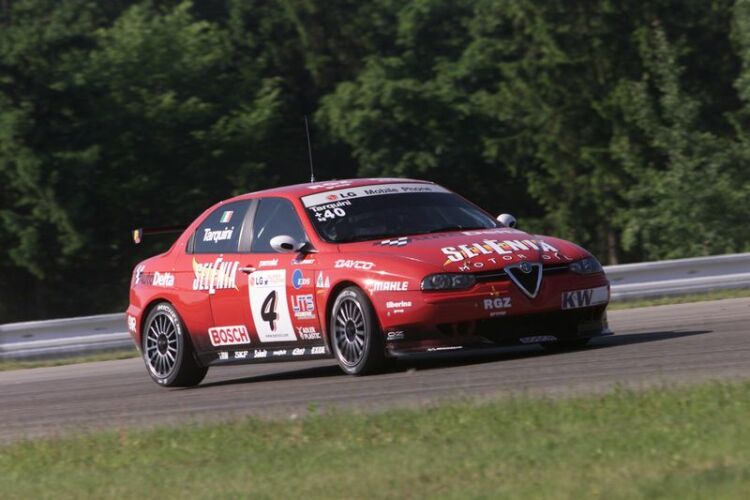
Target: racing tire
167, 350
566, 344
356, 338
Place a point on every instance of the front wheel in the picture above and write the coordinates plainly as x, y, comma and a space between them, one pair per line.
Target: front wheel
356, 339
167, 351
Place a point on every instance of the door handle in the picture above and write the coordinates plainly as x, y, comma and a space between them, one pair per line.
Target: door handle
248, 269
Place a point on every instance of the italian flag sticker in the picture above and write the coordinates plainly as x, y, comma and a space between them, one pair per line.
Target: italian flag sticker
226, 216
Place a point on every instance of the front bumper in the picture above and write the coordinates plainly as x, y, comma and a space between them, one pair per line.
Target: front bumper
493, 314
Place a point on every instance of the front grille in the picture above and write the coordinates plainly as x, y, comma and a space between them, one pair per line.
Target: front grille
527, 277
501, 275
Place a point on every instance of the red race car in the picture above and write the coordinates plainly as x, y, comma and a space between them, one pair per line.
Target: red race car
360, 270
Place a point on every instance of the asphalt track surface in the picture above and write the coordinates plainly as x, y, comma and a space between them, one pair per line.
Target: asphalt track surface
687, 343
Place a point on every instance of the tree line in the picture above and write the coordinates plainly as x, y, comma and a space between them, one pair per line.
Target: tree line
621, 125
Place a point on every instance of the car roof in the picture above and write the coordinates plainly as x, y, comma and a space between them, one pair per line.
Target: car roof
299, 190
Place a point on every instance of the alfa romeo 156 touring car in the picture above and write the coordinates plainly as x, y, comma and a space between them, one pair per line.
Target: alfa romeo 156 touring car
362, 271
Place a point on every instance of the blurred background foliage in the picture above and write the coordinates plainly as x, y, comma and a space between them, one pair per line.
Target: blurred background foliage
622, 125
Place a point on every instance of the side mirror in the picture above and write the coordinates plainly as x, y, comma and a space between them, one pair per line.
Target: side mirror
506, 220
284, 244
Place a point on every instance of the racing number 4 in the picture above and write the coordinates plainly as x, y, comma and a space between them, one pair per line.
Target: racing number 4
268, 310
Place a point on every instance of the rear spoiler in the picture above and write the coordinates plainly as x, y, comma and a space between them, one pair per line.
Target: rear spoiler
140, 232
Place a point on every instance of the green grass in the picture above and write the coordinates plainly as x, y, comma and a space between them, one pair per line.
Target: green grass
682, 299
104, 356
677, 443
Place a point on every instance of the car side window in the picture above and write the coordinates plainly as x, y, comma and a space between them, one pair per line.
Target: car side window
221, 231
274, 217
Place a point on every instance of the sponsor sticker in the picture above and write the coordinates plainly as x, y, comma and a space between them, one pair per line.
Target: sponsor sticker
387, 286
131, 323
218, 235
300, 351
228, 335
353, 264
260, 353
371, 190
318, 350
395, 335
303, 306
299, 280
268, 304
240, 354
538, 338
505, 248
398, 306
585, 298
268, 263
493, 304
216, 275
308, 333
163, 280
223, 355
322, 281
279, 352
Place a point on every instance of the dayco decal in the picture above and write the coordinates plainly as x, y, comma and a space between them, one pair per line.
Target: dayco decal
218, 235
353, 264
216, 275
488, 247
228, 335
388, 286
585, 298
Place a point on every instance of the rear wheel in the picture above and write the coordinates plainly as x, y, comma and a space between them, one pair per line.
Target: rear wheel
356, 339
167, 350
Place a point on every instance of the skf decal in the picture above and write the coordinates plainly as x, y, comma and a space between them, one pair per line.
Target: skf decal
216, 275
585, 298
489, 247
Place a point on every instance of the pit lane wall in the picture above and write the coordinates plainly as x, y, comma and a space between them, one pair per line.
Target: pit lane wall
108, 332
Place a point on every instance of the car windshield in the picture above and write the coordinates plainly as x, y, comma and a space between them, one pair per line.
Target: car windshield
391, 210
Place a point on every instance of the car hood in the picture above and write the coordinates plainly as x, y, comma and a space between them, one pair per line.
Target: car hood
474, 251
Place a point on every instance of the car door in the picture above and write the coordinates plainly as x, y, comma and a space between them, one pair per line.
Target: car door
215, 261
275, 296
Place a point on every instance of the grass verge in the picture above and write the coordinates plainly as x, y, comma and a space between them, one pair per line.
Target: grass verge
675, 443
681, 299
104, 356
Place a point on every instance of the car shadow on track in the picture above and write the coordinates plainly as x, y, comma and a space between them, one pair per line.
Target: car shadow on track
446, 360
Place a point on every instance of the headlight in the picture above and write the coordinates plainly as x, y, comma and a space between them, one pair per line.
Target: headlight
448, 282
589, 265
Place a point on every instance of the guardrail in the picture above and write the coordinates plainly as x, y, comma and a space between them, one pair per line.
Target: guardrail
107, 332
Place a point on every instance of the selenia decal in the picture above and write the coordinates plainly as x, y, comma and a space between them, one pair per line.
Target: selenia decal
489, 247
268, 304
